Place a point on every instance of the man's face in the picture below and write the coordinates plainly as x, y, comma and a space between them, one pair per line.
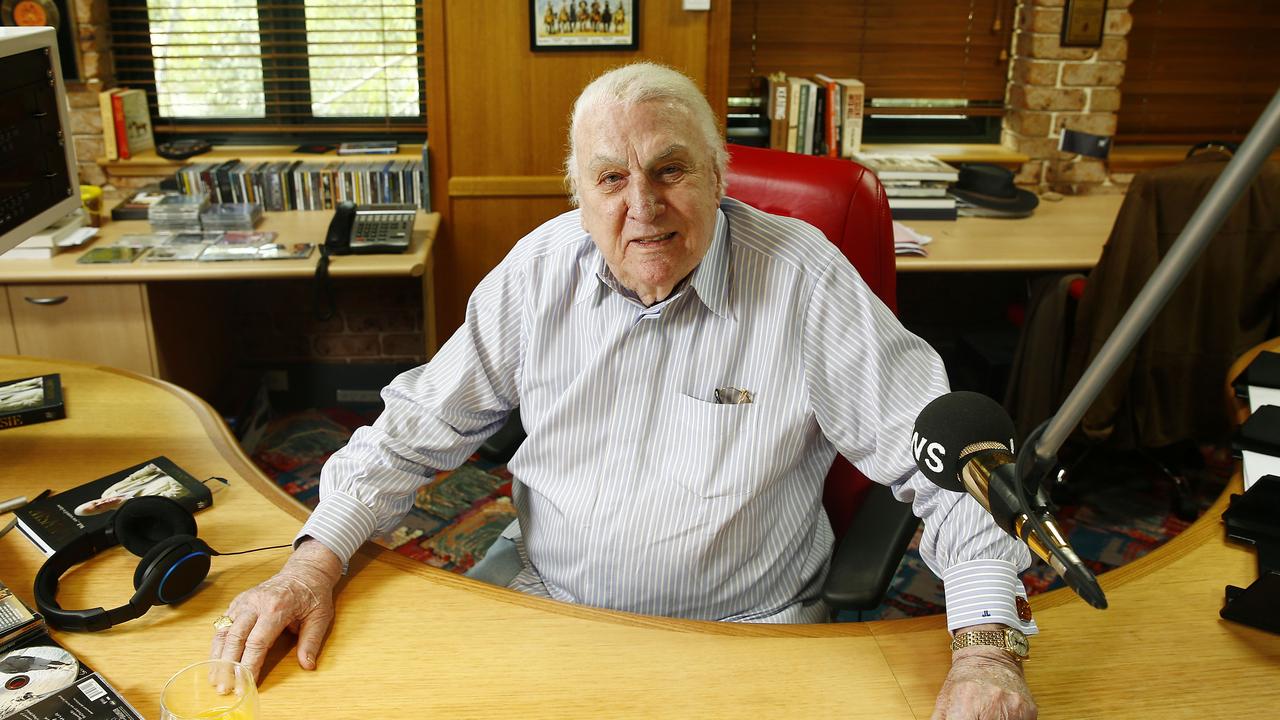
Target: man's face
649, 190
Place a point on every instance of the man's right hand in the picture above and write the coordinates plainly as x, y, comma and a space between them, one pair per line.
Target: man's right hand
299, 597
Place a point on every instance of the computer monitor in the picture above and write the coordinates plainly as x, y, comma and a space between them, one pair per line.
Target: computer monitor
39, 184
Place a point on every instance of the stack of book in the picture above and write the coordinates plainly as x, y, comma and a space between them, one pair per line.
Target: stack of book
915, 183
126, 123
820, 115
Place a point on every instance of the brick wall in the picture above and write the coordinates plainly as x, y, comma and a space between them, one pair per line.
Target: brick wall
1053, 87
378, 320
96, 72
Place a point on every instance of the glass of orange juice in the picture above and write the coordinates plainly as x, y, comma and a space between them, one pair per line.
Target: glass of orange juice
210, 690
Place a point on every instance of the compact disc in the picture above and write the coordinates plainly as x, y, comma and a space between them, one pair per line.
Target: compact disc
30, 673
30, 13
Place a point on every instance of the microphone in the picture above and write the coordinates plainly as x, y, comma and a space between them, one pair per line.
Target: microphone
963, 442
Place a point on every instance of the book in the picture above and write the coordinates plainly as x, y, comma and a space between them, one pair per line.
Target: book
117, 125
853, 95
831, 114
133, 118
45, 681
907, 166
31, 400
52, 522
369, 147
776, 104
105, 109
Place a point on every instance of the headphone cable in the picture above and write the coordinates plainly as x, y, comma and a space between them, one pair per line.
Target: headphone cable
245, 552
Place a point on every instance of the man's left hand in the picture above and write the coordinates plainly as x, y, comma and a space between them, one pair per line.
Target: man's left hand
984, 684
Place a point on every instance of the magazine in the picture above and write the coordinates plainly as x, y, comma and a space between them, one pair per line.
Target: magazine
53, 522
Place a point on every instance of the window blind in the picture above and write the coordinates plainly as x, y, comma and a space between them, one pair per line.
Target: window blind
1198, 71
932, 49
265, 65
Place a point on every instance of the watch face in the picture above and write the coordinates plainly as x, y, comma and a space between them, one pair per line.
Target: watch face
1017, 643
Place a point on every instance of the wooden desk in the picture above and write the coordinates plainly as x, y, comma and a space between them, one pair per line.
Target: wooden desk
412, 637
161, 318
1064, 235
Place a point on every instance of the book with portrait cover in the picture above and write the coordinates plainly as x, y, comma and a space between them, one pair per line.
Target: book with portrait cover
41, 680
30, 400
53, 522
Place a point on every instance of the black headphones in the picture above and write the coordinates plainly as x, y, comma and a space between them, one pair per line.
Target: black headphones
157, 529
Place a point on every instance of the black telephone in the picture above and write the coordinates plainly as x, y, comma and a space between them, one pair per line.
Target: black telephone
357, 230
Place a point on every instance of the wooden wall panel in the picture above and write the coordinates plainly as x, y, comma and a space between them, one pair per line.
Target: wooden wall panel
493, 225
507, 115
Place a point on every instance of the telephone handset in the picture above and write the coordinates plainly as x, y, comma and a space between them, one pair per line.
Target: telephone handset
359, 229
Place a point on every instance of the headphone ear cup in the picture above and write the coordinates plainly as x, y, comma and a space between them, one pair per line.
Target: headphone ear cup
143, 522
172, 570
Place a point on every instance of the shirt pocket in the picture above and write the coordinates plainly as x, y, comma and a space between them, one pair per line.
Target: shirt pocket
710, 450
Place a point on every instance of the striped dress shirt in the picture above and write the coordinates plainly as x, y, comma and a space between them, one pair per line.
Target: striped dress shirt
635, 490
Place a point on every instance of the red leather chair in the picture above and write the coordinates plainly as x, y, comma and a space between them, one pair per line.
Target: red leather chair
847, 203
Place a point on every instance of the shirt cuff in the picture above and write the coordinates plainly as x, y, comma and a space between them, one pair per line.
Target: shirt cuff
341, 523
984, 591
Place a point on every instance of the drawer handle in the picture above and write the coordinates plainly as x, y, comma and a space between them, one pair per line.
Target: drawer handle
47, 300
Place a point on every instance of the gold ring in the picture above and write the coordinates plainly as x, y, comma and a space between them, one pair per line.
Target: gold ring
223, 622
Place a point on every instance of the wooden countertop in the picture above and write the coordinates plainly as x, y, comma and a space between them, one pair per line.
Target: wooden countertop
1063, 235
411, 636
298, 226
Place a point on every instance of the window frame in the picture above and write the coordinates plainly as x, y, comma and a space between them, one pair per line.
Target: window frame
277, 127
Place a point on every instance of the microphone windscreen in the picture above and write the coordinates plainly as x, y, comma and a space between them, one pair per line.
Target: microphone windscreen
951, 423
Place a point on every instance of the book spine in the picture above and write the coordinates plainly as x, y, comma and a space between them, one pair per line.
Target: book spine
32, 416
778, 105
801, 132
851, 135
830, 117
122, 137
108, 125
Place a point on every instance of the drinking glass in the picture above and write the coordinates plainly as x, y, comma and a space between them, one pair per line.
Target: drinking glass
210, 690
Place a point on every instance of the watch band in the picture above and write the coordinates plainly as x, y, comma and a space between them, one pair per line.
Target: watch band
1009, 640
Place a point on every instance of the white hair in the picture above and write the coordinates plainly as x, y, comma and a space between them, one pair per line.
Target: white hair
642, 82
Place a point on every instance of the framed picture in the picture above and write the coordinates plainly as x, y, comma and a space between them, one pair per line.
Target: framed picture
583, 25
1083, 22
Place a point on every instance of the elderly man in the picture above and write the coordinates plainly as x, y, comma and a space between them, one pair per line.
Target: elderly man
686, 368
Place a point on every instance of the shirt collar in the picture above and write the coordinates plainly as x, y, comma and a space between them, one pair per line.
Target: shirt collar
710, 279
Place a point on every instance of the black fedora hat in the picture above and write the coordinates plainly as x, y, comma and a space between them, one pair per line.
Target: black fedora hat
990, 187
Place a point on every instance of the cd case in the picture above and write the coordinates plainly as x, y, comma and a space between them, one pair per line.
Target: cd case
111, 254
31, 400
41, 680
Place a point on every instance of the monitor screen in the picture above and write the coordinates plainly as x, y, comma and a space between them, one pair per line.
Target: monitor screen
39, 183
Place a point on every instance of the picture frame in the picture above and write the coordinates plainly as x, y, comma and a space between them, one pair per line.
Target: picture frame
1083, 22
557, 25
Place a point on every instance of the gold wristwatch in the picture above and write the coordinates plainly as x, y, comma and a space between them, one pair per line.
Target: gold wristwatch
1010, 640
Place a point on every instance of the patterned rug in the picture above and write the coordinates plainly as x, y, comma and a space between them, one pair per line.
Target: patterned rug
454, 519
1123, 514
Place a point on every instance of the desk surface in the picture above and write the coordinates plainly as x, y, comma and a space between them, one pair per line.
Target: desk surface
292, 226
412, 636
1064, 235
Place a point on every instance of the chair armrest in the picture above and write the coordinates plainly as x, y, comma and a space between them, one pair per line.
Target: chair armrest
870, 552
503, 444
